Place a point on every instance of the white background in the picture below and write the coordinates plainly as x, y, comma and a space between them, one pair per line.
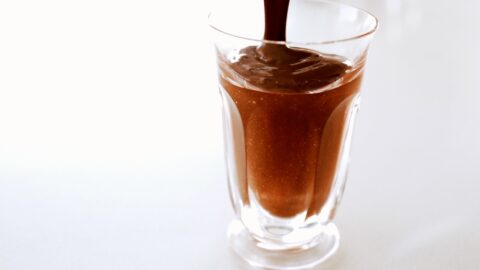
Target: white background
111, 148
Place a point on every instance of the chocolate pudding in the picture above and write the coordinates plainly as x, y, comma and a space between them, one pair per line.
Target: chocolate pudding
294, 106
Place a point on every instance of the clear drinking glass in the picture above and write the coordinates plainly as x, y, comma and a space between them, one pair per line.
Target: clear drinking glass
287, 153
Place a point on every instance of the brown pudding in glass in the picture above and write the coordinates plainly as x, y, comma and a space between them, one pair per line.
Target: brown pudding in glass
294, 105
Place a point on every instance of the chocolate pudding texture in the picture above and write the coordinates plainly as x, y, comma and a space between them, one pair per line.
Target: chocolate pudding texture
293, 134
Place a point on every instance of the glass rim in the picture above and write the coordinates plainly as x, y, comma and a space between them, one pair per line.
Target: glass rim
355, 37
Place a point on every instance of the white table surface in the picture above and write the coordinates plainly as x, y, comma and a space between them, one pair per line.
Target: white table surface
111, 144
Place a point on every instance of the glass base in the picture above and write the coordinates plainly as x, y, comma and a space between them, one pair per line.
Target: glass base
271, 256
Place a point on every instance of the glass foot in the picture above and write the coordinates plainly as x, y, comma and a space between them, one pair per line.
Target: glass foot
306, 256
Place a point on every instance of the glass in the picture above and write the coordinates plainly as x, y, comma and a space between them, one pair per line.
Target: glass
287, 152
